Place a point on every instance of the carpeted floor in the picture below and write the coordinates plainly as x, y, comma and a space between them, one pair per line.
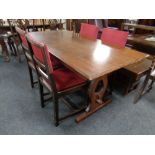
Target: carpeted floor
20, 111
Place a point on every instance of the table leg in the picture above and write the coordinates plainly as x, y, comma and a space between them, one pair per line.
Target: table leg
96, 97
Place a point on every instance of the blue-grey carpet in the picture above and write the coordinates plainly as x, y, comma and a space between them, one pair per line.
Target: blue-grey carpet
20, 111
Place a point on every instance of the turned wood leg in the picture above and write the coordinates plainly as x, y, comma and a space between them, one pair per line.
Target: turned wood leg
96, 97
56, 111
41, 90
31, 77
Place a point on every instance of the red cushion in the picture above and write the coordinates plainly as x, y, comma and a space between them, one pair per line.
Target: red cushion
89, 31
55, 61
114, 37
64, 79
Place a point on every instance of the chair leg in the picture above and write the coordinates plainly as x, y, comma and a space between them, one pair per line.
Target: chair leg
141, 90
150, 86
18, 55
14, 49
31, 77
56, 112
10, 46
41, 95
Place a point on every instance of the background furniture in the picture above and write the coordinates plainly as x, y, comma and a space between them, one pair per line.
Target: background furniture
4, 47
139, 42
150, 75
9, 36
75, 24
128, 78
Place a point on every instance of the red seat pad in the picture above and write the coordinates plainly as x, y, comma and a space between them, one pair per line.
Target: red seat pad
65, 78
55, 61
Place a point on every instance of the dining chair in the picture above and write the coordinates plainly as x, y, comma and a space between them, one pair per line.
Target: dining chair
59, 82
129, 76
56, 62
89, 31
7, 37
3, 45
114, 37
30, 64
5, 52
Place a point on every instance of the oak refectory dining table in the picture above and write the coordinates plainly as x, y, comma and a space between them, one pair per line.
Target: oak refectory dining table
91, 59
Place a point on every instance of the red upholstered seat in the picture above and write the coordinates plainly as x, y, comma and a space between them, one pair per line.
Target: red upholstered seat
55, 61
65, 78
114, 37
89, 31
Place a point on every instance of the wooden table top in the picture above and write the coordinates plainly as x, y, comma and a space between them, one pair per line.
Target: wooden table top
92, 59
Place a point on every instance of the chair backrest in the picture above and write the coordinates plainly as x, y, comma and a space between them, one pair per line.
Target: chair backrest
41, 56
42, 63
89, 31
114, 37
22, 37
